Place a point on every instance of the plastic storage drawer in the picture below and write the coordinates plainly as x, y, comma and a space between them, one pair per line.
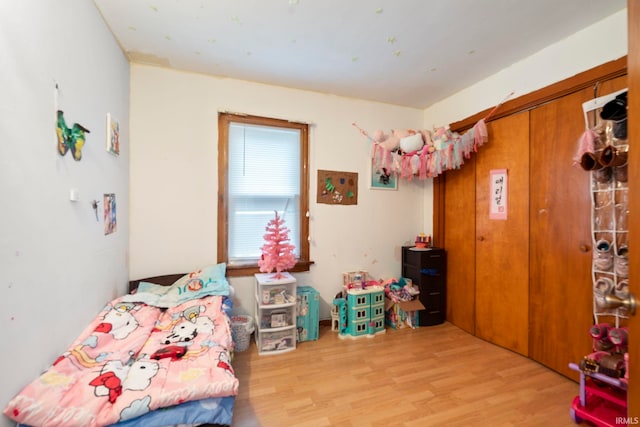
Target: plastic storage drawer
276, 342
271, 291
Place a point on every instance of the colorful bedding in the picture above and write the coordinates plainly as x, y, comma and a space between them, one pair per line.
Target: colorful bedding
132, 359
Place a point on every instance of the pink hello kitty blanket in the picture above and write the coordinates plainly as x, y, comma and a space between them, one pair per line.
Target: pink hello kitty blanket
132, 359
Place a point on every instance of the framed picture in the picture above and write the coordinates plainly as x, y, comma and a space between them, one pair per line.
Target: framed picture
113, 135
110, 220
382, 179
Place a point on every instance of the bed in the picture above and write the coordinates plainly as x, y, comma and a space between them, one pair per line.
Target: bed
158, 356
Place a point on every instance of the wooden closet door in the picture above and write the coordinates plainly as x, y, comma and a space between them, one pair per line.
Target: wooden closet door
502, 246
560, 293
459, 240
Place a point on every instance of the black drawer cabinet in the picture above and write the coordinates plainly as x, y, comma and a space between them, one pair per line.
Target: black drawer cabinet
428, 270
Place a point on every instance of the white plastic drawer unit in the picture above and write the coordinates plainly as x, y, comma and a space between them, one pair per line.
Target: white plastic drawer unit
275, 313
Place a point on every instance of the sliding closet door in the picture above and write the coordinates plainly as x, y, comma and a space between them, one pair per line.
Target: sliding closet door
561, 249
502, 245
460, 220
560, 298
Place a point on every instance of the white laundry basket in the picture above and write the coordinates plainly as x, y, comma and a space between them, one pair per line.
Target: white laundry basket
241, 330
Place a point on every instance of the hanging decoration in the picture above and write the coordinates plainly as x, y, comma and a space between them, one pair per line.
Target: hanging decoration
70, 138
277, 252
409, 153
424, 153
498, 194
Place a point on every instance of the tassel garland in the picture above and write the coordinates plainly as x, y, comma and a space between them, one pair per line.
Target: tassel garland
442, 151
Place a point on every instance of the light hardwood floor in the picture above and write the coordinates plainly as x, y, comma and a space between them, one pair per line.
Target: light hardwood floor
429, 376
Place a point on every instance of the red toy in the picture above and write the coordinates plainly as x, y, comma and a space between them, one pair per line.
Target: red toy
602, 400
175, 352
603, 379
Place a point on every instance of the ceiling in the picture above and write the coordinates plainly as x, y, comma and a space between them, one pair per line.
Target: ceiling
412, 53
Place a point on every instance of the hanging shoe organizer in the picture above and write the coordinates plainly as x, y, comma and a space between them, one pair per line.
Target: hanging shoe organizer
603, 152
604, 149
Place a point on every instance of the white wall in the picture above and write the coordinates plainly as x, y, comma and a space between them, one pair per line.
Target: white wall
57, 268
174, 178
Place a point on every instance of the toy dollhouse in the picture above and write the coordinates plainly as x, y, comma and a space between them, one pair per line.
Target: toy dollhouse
359, 309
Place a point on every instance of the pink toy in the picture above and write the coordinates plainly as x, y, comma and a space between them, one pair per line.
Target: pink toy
383, 145
388, 142
428, 141
362, 285
603, 380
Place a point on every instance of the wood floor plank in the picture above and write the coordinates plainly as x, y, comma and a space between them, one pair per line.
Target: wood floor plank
429, 376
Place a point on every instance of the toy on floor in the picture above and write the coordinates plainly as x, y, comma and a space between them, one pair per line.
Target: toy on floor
359, 308
340, 305
603, 378
364, 309
335, 317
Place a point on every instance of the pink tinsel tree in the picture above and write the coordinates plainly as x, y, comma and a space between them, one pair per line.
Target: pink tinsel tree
277, 253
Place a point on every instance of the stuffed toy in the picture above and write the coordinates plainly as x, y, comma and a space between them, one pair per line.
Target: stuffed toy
412, 143
441, 136
388, 142
428, 141
384, 144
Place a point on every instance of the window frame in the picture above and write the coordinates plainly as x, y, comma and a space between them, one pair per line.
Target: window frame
224, 120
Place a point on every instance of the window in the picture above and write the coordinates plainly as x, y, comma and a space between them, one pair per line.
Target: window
262, 168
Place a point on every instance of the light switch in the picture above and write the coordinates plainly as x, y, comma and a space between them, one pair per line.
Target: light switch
73, 195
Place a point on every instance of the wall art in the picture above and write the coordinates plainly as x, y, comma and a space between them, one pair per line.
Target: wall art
498, 196
382, 178
337, 188
110, 220
70, 138
113, 135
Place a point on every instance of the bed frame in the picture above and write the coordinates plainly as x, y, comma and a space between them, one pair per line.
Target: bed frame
166, 280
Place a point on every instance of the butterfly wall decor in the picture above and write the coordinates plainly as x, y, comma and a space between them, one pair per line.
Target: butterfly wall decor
70, 138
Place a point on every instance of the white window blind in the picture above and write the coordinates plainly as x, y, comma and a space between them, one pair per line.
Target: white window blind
263, 177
